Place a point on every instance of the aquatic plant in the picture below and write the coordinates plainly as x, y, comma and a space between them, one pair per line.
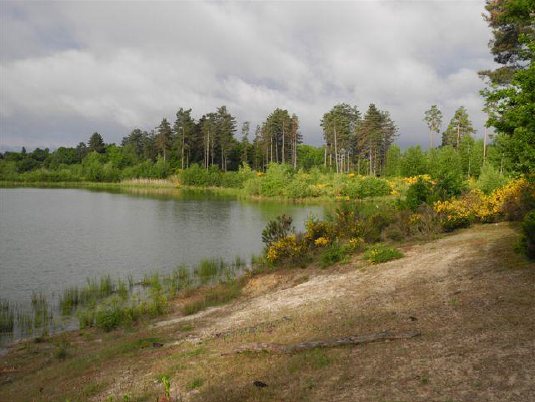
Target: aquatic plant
7, 316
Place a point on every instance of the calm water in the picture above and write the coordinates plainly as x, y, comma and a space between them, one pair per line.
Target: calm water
51, 239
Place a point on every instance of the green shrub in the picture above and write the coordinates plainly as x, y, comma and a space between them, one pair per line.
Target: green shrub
380, 253
335, 253
109, 318
275, 180
419, 193
277, 229
490, 179
528, 234
372, 187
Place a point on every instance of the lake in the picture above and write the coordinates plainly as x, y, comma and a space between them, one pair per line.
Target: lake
51, 239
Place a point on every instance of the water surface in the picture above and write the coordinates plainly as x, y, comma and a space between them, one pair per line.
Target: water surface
51, 239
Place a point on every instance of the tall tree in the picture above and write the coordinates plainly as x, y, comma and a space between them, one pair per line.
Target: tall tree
164, 138
510, 21
135, 141
226, 127
459, 126
277, 132
433, 118
512, 116
296, 138
339, 126
184, 128
96, 143
245, 142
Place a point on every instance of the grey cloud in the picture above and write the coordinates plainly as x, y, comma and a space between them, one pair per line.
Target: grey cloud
68, 69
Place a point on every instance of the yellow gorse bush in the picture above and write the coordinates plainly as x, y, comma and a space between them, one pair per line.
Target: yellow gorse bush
356, 243
321, 241
476, 206
287, 248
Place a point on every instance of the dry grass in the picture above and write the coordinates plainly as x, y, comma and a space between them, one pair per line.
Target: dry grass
171, 181
469, 294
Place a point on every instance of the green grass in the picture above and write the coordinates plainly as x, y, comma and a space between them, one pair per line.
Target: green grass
195, 383
215, 296
380, 253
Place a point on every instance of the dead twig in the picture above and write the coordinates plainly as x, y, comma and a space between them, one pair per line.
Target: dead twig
258, 347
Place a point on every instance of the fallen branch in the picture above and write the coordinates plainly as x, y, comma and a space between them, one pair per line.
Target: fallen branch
258, 347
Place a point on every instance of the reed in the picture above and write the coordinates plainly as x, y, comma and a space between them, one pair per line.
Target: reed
7, 316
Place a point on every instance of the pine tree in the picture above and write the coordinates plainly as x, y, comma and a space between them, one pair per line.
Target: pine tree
245, 142
184, 129
96, 143
459, 126
339, 127
164, 138
433, 118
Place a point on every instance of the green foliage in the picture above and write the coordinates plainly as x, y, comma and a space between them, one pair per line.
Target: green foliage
528, 235
195, 383
109, 316
96, 143
380, 253
393, 161
413, 162
334, 253
277, 229
448, 173
490, 179
371, 187
511, 114
419, 193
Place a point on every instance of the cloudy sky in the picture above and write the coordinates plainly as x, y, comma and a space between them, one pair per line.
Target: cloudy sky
69, 69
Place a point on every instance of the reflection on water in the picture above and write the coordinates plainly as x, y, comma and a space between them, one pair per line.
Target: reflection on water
51, 239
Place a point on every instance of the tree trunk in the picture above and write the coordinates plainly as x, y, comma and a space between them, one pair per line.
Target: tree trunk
335, 149
283, 159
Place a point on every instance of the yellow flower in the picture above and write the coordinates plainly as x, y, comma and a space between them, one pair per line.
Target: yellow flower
321, 241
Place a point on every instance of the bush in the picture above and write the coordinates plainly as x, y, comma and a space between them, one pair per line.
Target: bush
490, 179
109, 318
528, 235
381, 253
424, 223
372, 187
289, 248
419, 193
335, 253
275, 180
196, 175
277, 229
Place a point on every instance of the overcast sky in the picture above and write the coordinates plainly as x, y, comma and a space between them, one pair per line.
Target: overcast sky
69, 69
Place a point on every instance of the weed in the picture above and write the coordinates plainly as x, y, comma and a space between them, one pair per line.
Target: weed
380, 253
195, 383
335, 253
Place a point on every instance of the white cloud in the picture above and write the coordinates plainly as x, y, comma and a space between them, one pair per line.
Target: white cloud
67, 70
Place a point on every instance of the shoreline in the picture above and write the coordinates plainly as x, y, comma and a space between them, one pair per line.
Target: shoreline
164, 184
